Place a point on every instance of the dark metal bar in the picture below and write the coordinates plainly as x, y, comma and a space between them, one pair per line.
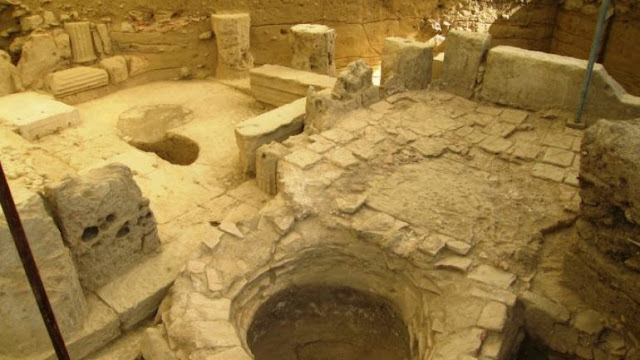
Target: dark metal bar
595, 48
30, 268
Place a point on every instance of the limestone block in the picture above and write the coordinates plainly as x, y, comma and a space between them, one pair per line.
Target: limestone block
10, 81
36, 115
32, 22
353, 89
105, 221
105, 38
537, 80
267, 157
233, 40
275, 125
21, 328
406, 65
137, 64
279, 85
353, 81
154, 347
463, 57
117, 68
81, 41
314, 48
63, 42
50, 18
40, 56
71, 81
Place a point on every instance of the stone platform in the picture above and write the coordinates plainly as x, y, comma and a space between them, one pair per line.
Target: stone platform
430, 200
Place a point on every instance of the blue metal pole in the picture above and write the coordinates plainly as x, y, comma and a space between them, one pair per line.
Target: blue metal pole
595, 49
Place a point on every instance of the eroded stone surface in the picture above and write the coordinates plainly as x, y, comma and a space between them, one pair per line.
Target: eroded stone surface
232, 37
406, 65
465, 52
314, 48
342, 206
105, 221
22, 331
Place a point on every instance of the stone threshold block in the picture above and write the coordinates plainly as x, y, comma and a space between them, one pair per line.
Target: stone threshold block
75, 80
278, 85
36, 115
275, 125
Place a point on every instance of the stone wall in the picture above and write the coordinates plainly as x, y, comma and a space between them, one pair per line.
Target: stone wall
604, 265
168, 36
171, 35
537, 80
621, 52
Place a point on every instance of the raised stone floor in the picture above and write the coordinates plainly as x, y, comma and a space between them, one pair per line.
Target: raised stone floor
451, 209
440, 204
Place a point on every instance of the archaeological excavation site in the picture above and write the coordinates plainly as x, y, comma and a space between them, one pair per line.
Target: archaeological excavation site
320, 180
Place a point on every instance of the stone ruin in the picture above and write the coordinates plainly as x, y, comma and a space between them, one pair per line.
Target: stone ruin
305, 180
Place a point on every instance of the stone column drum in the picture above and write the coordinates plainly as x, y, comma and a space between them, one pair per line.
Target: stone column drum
81, 41
232, 37
314, 48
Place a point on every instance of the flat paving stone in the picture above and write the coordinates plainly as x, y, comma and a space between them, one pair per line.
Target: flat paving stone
495, 144
526, 151
320, 144
559, 157
341, 157
490, 275
561, 141
338, 135
493, 316
430, 147
548, 172
303, 158
459, 263
513, 116
363, 149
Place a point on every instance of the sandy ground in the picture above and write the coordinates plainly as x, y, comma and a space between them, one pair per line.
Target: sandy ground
95, 142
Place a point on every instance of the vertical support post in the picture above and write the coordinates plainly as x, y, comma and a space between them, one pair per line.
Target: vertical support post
595, 48
30, 268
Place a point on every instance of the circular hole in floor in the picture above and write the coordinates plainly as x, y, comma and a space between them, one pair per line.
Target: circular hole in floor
326, 322
176, 149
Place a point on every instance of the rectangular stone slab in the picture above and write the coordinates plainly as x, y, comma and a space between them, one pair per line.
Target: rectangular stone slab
36, 115
275, 125
279, 85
